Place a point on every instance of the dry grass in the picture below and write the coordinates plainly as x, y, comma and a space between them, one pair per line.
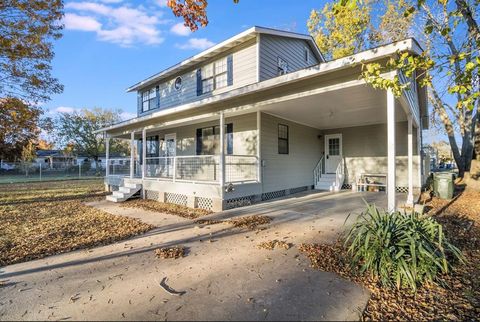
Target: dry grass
33, 228
454, 297
172, 209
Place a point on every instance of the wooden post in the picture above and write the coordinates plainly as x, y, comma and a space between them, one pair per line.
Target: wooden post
144, 152
391, 180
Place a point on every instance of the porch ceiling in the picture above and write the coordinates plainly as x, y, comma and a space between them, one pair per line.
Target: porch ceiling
344, 107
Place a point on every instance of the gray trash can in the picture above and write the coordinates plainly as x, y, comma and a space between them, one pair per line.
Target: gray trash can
443, 184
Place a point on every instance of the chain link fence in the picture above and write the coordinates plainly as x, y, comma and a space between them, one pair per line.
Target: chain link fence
14, 172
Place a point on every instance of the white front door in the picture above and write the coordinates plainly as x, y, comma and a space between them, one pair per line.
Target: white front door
333, 152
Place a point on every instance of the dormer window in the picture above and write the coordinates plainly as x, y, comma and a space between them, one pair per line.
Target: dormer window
307, 55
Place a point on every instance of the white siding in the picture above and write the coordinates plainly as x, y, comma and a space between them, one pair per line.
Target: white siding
289, 49
284, 171
365, 151
244, 135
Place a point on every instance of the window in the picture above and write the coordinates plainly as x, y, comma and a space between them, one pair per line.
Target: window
282, 66
207, 79
149, 99
208, 140
221, 73
215, 75
307, 55
282, 139
178, 83
153, 146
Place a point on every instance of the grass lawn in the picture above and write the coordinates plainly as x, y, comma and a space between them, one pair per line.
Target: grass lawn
45, 218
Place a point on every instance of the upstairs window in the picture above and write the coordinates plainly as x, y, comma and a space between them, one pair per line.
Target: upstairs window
216, 75
307, 55
149, 99
220, 73
282, 66
282, 139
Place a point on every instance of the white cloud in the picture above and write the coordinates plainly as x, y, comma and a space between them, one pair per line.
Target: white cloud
84, 23
123, 24
65, 109
180, 29
196, 43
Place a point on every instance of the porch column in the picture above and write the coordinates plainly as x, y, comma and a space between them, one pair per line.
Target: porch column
144, 152
259, 154
410, 161
222, 153
132, 154
391, 182
421, 168
107, 155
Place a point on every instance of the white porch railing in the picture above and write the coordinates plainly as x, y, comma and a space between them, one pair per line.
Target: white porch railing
202, 168
121, 167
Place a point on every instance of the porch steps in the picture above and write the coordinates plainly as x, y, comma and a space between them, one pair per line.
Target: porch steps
327, 182
125, 192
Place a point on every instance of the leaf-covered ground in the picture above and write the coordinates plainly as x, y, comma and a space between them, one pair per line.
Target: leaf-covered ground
41, 219
453, 297
168, 208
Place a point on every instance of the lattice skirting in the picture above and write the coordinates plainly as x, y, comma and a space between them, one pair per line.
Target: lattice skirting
176, 198
239, 202
299, 189
397, 189
204, 203
152, 195
273, 195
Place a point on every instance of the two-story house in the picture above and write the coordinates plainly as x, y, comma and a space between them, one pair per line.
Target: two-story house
263, 115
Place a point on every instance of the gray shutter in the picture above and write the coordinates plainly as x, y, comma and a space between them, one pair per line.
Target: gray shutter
157, 96
230, 70
139, 103
199, 82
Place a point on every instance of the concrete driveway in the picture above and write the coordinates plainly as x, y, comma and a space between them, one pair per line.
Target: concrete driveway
224, 275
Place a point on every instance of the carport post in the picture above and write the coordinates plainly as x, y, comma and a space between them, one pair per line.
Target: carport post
391, 167
410, 161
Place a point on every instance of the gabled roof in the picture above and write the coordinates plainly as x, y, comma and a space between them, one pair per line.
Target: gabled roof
224, 46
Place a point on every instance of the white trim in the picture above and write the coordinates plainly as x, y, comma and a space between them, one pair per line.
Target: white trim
259, 146
222, 155
258, 57
132, 155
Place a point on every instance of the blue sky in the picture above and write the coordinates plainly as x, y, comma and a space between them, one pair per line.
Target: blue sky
109, 45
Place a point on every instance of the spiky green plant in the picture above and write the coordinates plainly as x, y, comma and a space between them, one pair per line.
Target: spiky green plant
401, 249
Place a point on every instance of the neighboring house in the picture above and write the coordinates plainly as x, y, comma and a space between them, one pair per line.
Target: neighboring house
262, 115
54, 158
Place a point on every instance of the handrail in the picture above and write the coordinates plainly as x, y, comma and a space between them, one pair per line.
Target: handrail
317, 171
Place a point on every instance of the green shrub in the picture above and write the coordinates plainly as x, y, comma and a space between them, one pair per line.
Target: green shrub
401, 249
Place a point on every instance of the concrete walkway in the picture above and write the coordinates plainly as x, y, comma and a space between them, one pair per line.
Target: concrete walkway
224, 275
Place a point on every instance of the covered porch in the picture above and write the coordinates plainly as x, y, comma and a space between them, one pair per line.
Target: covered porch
226, 154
